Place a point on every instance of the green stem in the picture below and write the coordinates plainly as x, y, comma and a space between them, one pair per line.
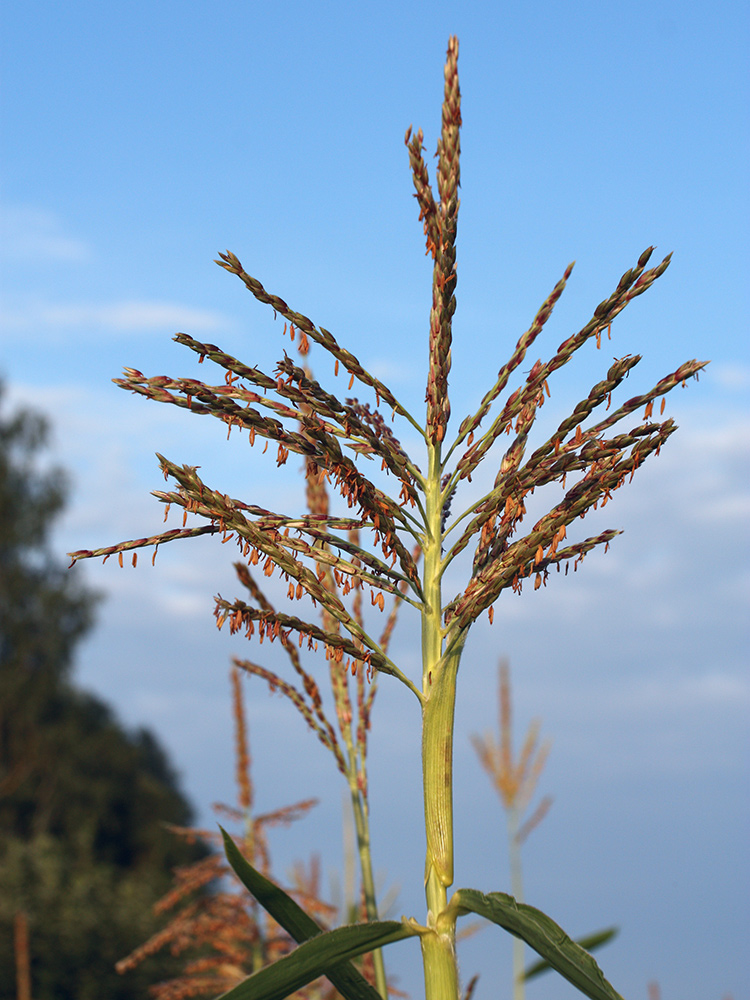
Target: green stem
258, 948
439, 697
362, 825
516, 888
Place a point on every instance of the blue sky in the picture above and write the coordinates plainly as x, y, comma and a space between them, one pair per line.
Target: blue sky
140, 139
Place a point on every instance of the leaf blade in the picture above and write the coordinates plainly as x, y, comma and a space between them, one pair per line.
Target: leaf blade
295, 921
588, 943
542, 934
321, 955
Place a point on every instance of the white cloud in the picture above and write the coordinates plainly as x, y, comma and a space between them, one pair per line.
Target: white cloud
664, 696
731, 375
117, 317
724, 437
33, 233
390, 370
724, 508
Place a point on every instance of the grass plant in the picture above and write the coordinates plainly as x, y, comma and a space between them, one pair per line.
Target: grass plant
397, 543
515, 782
220, 936
353, 700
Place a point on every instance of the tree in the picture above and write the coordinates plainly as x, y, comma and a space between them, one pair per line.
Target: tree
84, 850
42, 612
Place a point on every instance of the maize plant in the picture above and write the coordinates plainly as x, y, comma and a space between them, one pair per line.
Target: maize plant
219, 938
408, 537
515, 782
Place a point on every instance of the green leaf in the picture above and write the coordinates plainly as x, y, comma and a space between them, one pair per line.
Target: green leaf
588, 943
300, 925
542, 934
281, 906
319, 956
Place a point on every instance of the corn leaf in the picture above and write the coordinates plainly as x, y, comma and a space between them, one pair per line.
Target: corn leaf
542, 934
589, 942
296, 922
322, 955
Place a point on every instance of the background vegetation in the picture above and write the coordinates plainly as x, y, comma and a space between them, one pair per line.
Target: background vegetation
84, 852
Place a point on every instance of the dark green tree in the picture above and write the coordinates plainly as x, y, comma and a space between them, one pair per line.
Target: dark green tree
84, 850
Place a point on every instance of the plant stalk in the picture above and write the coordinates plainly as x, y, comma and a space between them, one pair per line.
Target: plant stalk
439, 693
361, 821
516, 888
